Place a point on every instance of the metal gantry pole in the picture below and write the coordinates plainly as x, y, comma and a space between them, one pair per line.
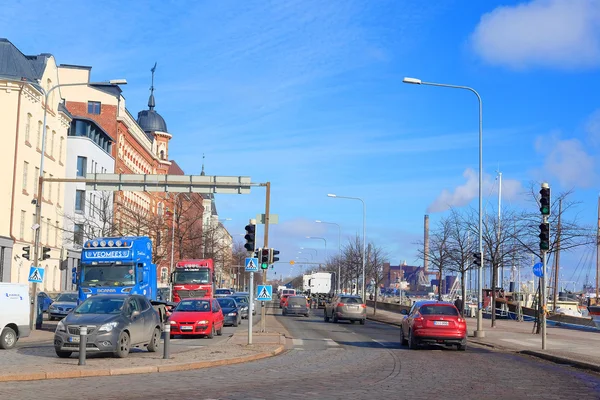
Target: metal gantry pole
543, 294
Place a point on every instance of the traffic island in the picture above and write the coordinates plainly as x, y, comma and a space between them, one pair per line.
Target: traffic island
142, 362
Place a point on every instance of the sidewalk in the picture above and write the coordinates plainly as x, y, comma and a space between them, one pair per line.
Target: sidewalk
565, 346
38, 361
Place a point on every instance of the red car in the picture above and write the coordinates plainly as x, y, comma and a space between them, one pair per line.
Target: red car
433, 322
197, 317
283, 300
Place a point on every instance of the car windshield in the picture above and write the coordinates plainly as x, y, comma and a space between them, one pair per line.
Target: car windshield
438, 310
108, 275
350, 300
193, 306
223, 291
241, 299
67, 297
226, 303
201, 275
100, 305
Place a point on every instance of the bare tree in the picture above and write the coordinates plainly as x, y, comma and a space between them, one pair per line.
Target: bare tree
462, 244
376, 259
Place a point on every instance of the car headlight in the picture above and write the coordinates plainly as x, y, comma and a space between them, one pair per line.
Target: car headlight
173, 322
51, 307
108, 327
245, 308
60, 327
232, 314
202, 322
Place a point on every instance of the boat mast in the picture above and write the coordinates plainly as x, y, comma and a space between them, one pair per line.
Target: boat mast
557, 257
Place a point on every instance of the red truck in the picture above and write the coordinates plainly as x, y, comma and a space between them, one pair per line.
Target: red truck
193, 279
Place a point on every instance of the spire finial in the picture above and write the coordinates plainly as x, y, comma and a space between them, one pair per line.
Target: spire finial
202, 172
151, 102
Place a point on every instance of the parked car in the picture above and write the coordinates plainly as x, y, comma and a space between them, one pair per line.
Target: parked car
346, 307
296, 305
201, 316
434, 322
243, 302
115, 323
44, 301
283, 299
65, 303
252, 304
231, 311
224, 291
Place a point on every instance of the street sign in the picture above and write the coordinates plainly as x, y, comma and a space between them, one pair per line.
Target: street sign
36, 274
538, 270
251, 264
265, 293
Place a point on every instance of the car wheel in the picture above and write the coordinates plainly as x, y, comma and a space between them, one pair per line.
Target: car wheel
306, 315
461, 347
8, 339
123, 345
63, 354
236, 323
335, 318
212, 332
352, 322
326, 318
412, 343
154, 344
403, 340
362, 321
220, 331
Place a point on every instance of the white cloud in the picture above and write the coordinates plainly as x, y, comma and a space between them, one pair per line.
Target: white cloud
548, 33
592, 128
465, 193
567, 161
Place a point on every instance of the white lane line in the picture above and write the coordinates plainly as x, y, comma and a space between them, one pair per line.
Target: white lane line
298, 342
331, 342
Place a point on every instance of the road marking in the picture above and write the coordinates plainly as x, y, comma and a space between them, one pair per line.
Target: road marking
328, 342
379, 343
298, 342
331, 342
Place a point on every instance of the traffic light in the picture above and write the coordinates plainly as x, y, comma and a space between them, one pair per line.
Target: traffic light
26, 253
250, 237
45, 253
545, 200
477, 259
264, 258
272, 258
544, 236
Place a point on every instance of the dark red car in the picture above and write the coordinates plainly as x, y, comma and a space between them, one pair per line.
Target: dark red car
433, 322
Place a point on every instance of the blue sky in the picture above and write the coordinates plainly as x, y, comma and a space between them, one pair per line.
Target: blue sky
308, 95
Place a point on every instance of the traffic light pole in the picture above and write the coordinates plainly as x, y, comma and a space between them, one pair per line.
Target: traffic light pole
543, 294
263, 309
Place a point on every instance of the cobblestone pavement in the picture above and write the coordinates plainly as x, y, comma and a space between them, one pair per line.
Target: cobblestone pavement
364, 363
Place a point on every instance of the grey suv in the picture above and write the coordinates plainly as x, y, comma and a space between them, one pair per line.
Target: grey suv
346, 307
115, 323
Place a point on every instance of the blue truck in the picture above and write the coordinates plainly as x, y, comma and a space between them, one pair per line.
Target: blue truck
118, 265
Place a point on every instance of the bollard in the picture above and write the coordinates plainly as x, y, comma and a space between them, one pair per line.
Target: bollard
167, 339
82, 344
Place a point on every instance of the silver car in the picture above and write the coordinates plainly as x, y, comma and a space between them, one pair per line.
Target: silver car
346, 307
62, 305
115, 323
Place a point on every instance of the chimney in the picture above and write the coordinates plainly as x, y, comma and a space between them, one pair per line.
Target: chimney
426, 244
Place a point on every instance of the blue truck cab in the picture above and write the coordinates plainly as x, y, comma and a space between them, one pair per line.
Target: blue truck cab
117, 265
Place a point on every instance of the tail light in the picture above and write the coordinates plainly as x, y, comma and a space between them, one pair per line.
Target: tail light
340, 304
418, 321
363, 306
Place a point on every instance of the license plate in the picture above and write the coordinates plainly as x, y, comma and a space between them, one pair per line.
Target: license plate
187, 328
353, 307
444, 323
74, 339
296, 305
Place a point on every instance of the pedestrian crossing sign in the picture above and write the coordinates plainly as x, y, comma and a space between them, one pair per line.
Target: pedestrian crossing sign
36, 274
265, 292
251, 264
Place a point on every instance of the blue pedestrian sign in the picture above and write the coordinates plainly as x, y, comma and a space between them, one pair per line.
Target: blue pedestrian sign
36, 275
265, 292
538, 270
251, 264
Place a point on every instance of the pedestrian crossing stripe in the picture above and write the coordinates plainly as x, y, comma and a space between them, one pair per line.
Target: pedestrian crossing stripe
265, 293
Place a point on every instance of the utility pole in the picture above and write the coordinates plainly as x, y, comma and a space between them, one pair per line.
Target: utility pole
263, 309
499, 277
557, 257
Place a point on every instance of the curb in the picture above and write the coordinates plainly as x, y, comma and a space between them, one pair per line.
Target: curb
382, 321
561, 360
84, 373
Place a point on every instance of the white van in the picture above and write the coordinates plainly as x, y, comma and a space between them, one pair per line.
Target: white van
14, 313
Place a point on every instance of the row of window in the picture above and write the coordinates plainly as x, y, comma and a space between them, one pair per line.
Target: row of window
48, 230
49, 147
82, 169
48, 192
89, 129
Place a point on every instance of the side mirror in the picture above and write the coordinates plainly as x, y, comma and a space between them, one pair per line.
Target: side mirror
135, 314
403, 312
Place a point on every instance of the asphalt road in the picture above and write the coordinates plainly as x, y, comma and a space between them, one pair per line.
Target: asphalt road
342, 361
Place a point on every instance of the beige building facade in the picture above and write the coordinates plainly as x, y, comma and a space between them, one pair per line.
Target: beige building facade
23, 82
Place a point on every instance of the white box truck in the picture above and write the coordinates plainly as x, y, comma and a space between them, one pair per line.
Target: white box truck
319, 284
14, 313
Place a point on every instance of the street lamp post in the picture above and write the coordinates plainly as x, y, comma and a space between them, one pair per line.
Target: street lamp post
38, 203
323, 239
479, 332
310, 254
364, 255
173, 236
339, 252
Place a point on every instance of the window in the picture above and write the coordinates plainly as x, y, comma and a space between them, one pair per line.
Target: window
78, 234
28, 127
35, 184
25, 172
22, 226
81, 166
45, 144
39, 135
80, 200
50, 189
58, 195
60, 148
52, 140
48, 231
94, 107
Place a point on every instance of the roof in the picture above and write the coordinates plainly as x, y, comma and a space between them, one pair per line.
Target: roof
151, 121
63, 109
15, 64
175, 169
